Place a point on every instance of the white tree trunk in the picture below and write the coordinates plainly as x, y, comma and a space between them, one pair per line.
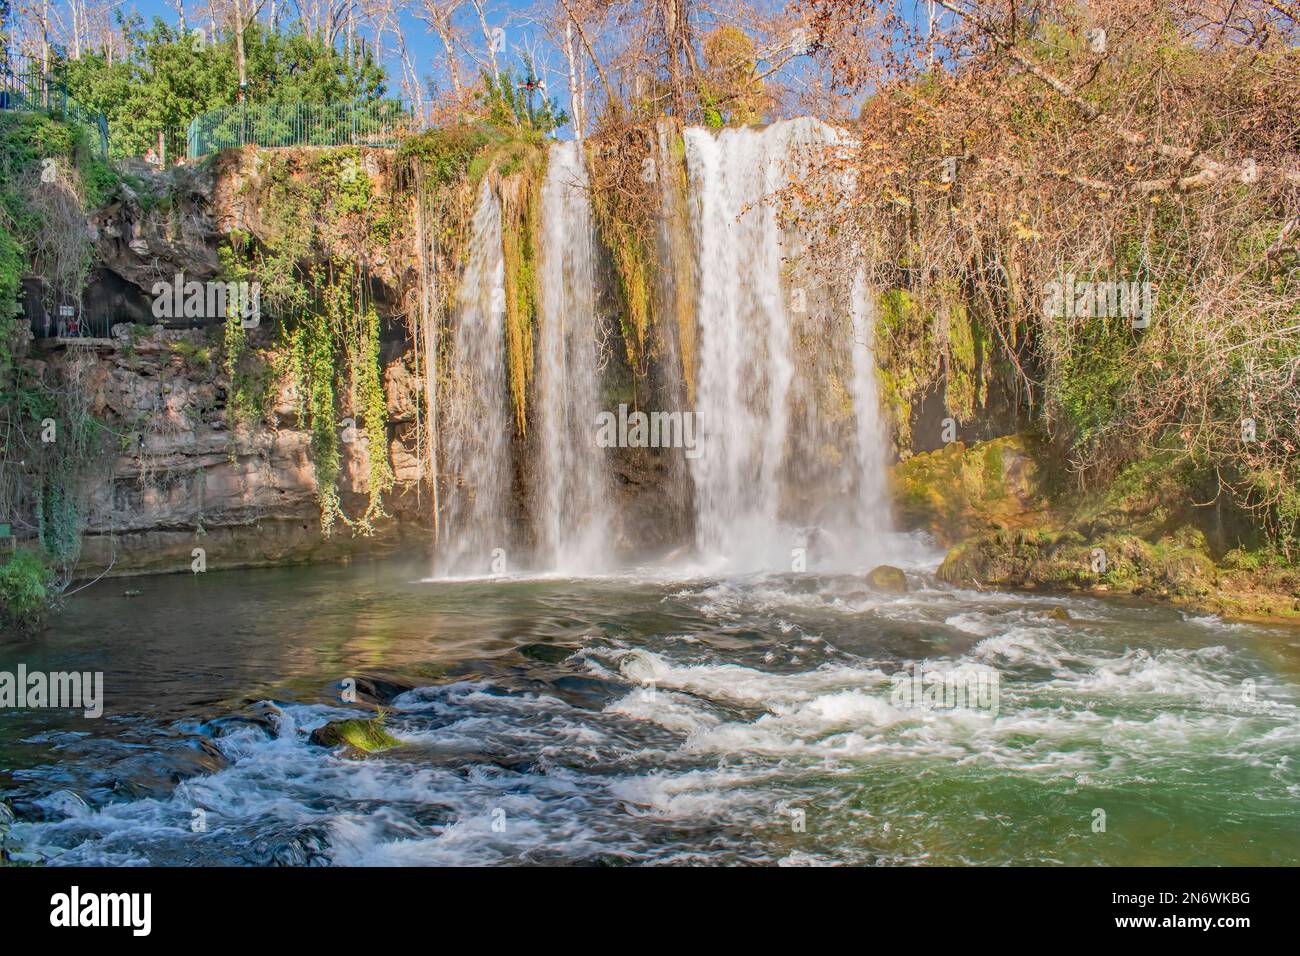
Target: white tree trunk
575, 94
487, 39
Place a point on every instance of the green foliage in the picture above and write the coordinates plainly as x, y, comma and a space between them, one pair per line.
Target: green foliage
322, 215
624, 205
193, 353
27, 140
167, 78
60, 516
520, 200
967, 362
252, 378
907, 358
13, 261
99, 182
23, 592
42, 225
631, 255
446, 152
313, 342
729, 93
352, 185
1089, 382
370, 401
334, 342
512, 101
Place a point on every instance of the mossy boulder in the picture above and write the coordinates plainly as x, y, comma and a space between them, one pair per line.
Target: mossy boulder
1174, 568
367, 736
959, 491
1140, 533
887, 578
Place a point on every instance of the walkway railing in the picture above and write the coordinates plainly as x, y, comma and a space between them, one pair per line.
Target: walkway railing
71, 322
375, 123
24, 85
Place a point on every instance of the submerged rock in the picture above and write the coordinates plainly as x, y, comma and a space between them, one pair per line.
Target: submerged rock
548, 653
291, 846
53, 807
382, 689
888, 578
368, 736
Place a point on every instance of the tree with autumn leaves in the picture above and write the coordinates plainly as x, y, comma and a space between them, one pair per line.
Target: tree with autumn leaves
1021, 145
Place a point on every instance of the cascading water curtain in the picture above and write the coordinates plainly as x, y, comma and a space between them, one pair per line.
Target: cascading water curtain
791, 467
573, 484
475, 419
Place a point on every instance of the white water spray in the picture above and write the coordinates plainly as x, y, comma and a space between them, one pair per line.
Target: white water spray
775, 481
872, 498
573, 487
477, 424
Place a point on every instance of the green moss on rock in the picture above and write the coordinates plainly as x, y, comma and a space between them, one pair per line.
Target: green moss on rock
887, 578
367, 736
958, 491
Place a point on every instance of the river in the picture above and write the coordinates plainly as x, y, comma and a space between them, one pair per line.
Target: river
650, 716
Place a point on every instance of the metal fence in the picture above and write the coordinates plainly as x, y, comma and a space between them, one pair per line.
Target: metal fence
70, 322
167, 146
24, 85
376, 123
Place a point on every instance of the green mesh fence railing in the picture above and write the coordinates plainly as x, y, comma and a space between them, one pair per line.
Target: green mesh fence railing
24, 85
375, 123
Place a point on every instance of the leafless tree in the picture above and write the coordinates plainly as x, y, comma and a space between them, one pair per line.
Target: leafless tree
438, 15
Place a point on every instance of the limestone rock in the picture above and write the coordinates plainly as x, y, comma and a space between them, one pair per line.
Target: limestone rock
887, 578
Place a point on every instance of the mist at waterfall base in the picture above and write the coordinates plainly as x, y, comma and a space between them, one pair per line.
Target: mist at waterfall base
787, 474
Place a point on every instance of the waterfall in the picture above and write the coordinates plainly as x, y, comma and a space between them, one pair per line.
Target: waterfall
789, 470
572, 498
791, 460
476, 420
425, 336
872, 500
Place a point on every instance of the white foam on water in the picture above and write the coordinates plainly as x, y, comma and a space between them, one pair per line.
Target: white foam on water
716, 749
735, 684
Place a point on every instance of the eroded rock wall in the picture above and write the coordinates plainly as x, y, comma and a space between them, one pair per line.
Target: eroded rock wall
174, 474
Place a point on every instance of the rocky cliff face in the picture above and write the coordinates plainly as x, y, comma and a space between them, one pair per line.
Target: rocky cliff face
186, 458
189, 458
178, 464
175, 474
